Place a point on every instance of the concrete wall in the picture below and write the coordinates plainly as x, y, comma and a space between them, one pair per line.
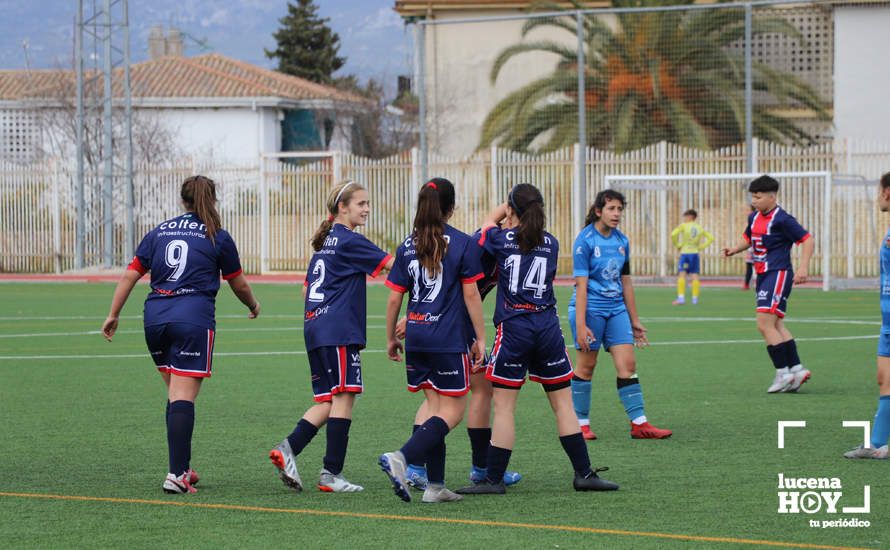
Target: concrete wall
230, 133
862, 73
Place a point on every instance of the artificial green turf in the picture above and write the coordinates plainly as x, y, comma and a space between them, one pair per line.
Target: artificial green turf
93, 426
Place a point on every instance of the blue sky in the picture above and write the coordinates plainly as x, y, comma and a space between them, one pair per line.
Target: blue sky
372, 36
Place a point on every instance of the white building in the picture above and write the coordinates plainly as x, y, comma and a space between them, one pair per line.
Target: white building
208, 105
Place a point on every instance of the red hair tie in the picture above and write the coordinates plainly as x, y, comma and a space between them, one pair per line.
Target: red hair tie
433, 185
331, 218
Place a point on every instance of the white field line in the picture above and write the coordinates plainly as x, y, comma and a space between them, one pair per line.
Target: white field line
298, 352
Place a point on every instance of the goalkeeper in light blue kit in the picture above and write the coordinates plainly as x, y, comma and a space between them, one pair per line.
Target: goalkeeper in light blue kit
880, 429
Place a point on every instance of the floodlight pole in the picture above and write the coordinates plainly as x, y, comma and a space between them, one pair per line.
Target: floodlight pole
749, 93
107, 145
580, 199
80, 225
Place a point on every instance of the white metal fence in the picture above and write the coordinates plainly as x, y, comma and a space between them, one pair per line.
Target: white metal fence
273, 205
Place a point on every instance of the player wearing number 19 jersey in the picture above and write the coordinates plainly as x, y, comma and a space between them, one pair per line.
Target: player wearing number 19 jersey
529, 339
437, 266
334, 330
185, 256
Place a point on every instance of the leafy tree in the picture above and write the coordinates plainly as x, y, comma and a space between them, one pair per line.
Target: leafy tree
307, 47
653, 76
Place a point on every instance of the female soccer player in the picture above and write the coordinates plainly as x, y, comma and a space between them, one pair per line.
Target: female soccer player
438, 266
880, 430
770, 233
479, 406
185, 256
334, 328
605, 295
529, 339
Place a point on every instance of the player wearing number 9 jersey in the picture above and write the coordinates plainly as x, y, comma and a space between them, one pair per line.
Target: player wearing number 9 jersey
185, 256
334, 329
529, 339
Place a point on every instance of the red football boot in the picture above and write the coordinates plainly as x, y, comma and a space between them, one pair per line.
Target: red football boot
587, 433
648, 431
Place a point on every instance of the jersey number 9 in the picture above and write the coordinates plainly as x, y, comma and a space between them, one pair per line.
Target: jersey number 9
176, 256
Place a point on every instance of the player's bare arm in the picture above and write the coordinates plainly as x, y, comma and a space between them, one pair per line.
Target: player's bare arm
806, 254
630, 302
242, 290
393, 306
121, 293
497, 214
741, 247
584, 334
474, 308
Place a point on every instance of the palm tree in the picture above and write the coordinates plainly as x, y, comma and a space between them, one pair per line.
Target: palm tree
653, 76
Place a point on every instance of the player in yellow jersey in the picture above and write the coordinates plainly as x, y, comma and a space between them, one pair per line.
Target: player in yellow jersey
690, 238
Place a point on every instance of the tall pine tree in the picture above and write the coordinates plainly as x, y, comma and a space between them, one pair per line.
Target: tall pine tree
307, 47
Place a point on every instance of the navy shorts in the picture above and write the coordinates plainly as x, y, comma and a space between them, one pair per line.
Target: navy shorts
609, 328
689, 263
181, 348
532, 344
773, 290
445, 373
335, 369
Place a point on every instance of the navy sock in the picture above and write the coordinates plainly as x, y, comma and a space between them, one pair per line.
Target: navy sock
431, 433
777, 354
338, 439
791, 356
167, 412
302, 435
576, 449
435, 464
479, 440
180, 424
498, 458
415, 428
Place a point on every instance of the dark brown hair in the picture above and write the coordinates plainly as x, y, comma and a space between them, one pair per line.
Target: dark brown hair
434, 204
764, 184
691, 212
885, 180
342, 192
198, 194
599, 203
528, 204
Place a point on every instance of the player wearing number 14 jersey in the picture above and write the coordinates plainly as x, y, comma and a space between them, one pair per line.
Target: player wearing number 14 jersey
529, 339
334, 329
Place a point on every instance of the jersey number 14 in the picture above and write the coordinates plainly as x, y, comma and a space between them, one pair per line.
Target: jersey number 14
536, 278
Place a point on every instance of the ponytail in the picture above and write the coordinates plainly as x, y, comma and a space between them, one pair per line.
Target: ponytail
435, 202
342, 192
528, 204
599, 203
198, 193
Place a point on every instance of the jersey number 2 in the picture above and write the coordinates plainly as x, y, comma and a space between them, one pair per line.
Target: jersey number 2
314, 294
535, 279
176, 256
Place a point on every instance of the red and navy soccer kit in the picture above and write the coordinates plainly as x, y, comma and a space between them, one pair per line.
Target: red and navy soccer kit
438, 330
334, 324
179, 314
771, 236
529, 339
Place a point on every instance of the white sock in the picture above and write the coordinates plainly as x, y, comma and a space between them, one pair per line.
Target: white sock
584, 422
796, 368
639, 420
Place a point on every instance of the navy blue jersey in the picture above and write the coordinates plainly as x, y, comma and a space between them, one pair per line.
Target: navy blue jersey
437, 314
525, 281
185, 267
489, 280
771, 236
603, 260
336, 290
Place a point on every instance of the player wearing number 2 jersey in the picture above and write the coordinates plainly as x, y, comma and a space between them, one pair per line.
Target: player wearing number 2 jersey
185, 256
529, 339
334, 329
